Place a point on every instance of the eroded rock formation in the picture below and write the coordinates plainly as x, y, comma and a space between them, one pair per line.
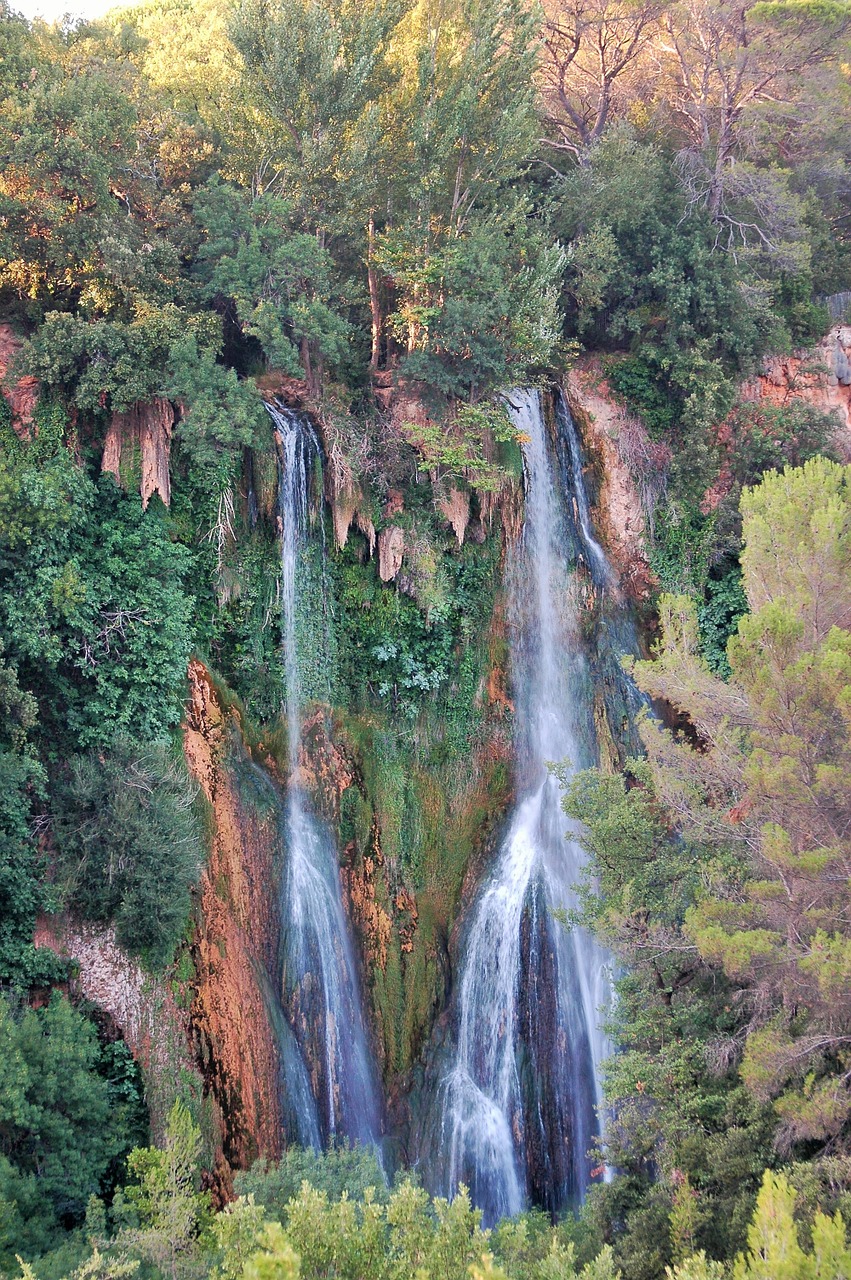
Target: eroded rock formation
822, 377
391, 550
454, 506
143, 1007
235, 940
21, 394
137, 448
605, 428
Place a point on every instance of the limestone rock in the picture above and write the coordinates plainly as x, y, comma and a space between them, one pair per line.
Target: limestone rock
455, 508
391, 549
145, 429
367, 528
395, 503
343, 508
141, 1005
821, 377
621, 510
22, 393
235, 941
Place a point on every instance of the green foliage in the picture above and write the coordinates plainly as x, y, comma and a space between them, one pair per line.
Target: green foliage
462, 450
279, 278
336, 1172
401, 649
129, 843
62, 1124
170, 1210
718, 618
763, 438
658, 287
485, 310
109, 364
636, 383
99, 618
22, 893
683, 540
392, 1236
806, 320
718, 877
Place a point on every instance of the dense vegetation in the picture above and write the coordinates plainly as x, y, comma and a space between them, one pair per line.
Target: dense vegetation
196, 194
315, 1217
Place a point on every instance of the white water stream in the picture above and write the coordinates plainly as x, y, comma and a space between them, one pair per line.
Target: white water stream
519, 1099
321, 992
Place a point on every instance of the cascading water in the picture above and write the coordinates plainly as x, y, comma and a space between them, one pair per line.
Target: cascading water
518, 1102
618, 637
601, 570
321, 996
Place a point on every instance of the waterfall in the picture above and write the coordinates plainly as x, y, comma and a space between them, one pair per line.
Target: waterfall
600, 569
321, 996
518, 1100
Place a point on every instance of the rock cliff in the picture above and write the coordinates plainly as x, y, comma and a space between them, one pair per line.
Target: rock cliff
21, 394
623, 456
137, 448
144, 1008
821, 376
234, 944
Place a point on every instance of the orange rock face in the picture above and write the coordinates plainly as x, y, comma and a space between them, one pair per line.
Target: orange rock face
146, 427
391, 550
606, 428
293, 391
21, 394
821, 377
234, 944
454, 506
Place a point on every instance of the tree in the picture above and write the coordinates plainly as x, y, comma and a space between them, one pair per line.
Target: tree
171, 1210
279, 278
22, 892
129, 844
60, 1129
592, 66
99, 618
774, 1249
317, 73
770, 780
457, 251
722, 61
721, 864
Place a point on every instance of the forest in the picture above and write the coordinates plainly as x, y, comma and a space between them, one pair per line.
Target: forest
425, 641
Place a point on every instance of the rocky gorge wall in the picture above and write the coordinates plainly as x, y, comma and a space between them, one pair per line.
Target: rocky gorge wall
820, 376
234, 941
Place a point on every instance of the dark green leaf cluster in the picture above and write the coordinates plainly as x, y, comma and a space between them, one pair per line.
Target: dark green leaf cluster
63, 1123
128, 836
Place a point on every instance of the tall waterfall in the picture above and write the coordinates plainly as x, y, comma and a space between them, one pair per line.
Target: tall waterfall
518, 1099
321, 996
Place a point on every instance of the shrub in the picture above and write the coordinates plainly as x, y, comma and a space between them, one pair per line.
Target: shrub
130, 844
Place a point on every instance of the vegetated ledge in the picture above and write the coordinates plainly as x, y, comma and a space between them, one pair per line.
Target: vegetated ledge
821, 376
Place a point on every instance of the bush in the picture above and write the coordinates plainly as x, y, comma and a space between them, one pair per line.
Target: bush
130, 845
93, 603
63, 1123
336, 1172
